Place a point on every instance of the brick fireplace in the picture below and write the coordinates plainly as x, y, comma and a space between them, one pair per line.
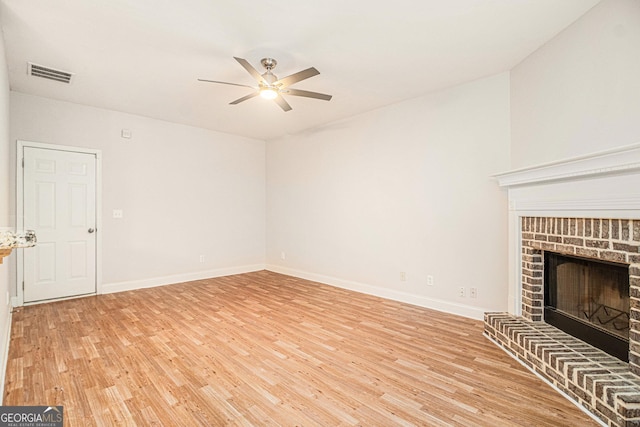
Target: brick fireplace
605, 386
587, 207
616, 240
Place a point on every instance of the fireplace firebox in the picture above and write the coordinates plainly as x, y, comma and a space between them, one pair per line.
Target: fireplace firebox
588, 299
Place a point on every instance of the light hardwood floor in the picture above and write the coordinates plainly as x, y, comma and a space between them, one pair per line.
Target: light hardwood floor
267, 349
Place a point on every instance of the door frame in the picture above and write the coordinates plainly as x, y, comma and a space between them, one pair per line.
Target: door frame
20, 146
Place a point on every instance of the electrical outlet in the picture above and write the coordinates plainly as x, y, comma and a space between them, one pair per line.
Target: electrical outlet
201, 258
429, 280
283, 255
403, 276
473, 292
461, 292
117, 213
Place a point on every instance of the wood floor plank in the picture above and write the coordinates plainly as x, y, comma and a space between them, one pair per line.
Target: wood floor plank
267, 349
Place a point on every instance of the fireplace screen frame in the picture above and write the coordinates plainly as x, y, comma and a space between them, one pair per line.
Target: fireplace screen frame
589, 332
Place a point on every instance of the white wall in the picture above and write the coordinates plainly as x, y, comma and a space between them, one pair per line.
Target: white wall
579, 93
403, 188
5, 216
185, 191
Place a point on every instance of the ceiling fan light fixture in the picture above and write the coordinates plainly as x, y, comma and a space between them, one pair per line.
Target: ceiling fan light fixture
270, 87
268, 93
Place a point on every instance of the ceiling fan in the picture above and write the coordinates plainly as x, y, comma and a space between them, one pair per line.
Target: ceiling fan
270, 87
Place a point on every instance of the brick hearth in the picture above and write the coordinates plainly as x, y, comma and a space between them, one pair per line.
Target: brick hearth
602, 384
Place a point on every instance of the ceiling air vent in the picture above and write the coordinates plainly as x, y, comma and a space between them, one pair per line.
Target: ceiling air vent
49, 73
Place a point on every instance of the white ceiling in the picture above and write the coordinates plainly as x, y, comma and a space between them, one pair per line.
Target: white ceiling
145, 56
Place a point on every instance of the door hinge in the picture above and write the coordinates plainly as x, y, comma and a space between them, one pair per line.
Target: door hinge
23, 163
23, 285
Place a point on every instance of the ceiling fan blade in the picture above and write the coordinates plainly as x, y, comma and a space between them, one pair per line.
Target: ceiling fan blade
282, 103
296, 77
224, 83
254, 73
308, 94
244, 98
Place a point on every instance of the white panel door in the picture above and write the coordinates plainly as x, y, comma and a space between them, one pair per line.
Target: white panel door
60, 205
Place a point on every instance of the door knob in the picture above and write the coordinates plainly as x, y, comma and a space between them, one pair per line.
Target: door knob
91, 230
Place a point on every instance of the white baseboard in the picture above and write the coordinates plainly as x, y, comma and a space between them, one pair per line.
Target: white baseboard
110, 288
419, 300
4, 356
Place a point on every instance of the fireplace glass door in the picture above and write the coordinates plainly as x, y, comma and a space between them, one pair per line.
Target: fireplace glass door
589, 299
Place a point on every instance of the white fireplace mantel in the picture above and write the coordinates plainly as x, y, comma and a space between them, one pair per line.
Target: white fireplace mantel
601, 185
606, 183
622, 160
